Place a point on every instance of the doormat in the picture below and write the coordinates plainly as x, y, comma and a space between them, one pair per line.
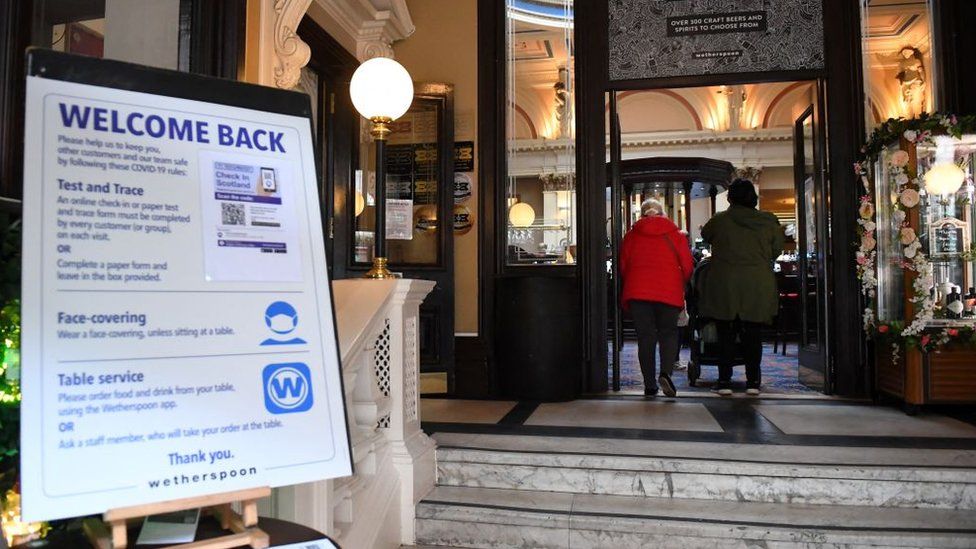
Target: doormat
779, 372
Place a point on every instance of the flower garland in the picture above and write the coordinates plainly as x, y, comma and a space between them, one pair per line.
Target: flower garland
906, 184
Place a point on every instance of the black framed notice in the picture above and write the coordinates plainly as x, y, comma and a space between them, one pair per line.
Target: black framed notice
651, 39
948, 237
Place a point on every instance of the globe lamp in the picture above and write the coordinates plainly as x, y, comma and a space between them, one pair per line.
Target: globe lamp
360, 203
382, 91
944, 177
521, 215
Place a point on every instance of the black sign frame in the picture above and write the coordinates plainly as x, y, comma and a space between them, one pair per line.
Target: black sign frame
108, 73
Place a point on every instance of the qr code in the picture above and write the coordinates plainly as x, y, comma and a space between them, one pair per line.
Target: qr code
232, 214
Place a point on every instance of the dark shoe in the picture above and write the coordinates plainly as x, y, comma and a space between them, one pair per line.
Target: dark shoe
667, 385
723, 388
650, 392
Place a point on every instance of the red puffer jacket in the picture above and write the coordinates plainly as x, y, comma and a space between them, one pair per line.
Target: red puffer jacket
651, 269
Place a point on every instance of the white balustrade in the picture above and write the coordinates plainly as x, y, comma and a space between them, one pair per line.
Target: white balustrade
393, 460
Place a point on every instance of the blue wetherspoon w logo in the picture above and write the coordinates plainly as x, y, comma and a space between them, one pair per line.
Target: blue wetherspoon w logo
287, 388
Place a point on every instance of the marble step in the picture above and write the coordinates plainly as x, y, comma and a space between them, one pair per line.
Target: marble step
876, 477
494, 518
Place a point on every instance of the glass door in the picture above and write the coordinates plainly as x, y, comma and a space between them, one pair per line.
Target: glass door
811, 233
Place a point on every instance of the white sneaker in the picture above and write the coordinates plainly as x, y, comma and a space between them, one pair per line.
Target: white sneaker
678, 365
752, 391
724, 391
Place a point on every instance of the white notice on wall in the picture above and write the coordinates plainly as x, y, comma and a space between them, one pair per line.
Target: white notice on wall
178, 335
399, 219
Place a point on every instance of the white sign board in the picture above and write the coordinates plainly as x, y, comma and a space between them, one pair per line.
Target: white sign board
178, 335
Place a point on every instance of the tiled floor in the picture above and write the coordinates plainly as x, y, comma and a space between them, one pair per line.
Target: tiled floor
830, 422
464, 411
861, 421
626, 414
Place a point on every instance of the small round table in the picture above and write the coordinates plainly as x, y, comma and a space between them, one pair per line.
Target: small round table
281, 532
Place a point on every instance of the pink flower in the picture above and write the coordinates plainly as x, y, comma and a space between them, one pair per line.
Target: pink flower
868, 242
862, 259
899, 159
925, 340
907, 236
952, 332
910, 198
883, 329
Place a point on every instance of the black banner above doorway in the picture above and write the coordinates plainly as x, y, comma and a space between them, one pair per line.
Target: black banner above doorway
669, 38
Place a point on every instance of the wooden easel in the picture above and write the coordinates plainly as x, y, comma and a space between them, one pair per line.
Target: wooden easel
111, 532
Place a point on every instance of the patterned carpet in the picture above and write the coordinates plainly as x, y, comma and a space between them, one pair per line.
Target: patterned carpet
779, 373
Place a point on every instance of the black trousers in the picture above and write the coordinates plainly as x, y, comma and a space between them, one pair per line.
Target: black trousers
750, 344
657, 325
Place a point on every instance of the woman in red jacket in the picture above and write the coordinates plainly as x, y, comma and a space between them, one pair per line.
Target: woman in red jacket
655, 263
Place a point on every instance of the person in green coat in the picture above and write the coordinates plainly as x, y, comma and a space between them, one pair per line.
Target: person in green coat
739, 288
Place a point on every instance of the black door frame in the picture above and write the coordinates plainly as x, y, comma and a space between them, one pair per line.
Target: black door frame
815, 355
845, 133
337, 141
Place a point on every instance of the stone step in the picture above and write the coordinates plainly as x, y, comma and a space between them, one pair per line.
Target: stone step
495, 518
875, 477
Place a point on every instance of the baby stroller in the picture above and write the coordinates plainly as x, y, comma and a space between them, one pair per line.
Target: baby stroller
705, 348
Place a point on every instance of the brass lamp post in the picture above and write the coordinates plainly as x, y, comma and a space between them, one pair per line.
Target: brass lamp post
382, 91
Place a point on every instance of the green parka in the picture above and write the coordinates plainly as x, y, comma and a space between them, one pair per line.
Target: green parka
740, 280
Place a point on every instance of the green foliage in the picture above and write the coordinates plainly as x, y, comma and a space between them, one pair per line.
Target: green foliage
10, 262
893, 129
9, 444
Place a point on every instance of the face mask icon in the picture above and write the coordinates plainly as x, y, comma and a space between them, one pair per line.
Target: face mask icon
281, 324
282, 319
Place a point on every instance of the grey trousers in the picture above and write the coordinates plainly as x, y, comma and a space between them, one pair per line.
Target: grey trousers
657, 326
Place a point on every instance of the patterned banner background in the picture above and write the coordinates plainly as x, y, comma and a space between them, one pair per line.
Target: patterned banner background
667, 38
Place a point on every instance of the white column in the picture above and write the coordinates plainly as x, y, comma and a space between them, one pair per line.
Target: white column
412, 449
